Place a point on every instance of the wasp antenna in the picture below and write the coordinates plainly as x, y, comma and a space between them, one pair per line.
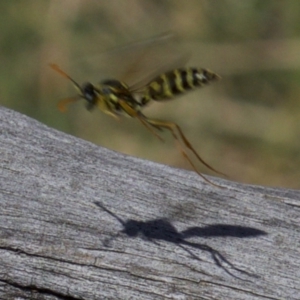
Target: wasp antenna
56, 68
62, 104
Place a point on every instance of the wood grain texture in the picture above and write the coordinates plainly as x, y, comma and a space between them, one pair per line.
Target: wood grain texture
78, 221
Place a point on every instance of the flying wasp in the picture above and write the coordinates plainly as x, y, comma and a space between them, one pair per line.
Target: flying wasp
116, 98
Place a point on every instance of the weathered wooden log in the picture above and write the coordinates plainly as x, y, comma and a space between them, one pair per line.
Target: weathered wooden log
78, 221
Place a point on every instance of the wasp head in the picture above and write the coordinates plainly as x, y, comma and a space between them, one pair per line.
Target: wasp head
89, 94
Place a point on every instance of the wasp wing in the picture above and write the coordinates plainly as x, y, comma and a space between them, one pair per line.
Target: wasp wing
135, 63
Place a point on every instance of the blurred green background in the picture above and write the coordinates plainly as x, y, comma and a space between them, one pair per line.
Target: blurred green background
247, 125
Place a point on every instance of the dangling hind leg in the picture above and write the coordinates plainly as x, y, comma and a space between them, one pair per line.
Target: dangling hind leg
172, 127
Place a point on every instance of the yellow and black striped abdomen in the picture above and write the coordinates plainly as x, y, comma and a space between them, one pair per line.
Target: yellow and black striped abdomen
176, 82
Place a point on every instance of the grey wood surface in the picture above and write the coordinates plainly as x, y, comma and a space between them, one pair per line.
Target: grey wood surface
78, 221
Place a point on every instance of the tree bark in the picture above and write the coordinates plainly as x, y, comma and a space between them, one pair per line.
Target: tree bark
78, 221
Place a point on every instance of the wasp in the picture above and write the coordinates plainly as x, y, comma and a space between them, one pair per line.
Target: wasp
116, 98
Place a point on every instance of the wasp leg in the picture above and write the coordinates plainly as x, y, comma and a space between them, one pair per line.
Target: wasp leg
172, 127
160, 125
136, 114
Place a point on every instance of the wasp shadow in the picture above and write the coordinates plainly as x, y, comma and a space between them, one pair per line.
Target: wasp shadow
162, 229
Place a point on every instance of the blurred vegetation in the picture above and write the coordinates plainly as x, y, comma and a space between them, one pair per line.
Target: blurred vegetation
247, 125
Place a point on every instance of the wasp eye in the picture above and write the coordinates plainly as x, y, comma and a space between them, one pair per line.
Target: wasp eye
88, 91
